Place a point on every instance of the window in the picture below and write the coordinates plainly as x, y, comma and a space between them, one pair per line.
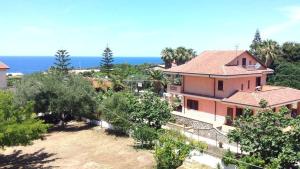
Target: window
258, 81
220, 85
250, 62
192, 104
244, 61
239, 112
248, 84
242, 87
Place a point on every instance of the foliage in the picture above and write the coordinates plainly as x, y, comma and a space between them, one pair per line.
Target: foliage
118, 110
286, 74
158, 81
268, 51
18, 125
152, 111
145, 134
183, 55
256, 42
107, 60
291, 51
172, 149
62, 61
60, 94
268, 136
168, 56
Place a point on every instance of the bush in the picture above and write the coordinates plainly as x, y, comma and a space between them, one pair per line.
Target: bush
172, 149
145, 134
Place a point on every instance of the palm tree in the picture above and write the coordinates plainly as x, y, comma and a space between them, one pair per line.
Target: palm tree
183, 55
268, 51
158, 80
167, 55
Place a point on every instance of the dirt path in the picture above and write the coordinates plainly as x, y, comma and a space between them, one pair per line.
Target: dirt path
78, 148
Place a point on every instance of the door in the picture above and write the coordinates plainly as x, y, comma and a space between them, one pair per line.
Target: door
229, 117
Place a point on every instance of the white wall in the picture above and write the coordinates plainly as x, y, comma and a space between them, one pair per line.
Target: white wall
3, 81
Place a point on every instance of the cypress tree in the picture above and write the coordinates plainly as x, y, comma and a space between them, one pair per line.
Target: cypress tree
106, 64
62, 61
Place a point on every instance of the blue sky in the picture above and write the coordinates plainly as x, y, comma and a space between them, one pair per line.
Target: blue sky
141, 27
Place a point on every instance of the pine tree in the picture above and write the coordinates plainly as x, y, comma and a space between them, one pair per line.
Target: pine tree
107, 60
62, 61
255, 43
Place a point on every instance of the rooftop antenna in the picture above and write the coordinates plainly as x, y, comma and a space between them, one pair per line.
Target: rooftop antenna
236, 49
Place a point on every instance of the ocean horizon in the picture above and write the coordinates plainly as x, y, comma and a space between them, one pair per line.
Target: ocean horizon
32, 64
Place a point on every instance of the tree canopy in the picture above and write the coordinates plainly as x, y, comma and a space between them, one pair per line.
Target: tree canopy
18, 124
57, 93
271, 137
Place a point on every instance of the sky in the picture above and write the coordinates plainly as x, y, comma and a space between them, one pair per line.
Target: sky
141, 27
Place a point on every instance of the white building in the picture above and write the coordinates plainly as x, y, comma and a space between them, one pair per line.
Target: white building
3, 80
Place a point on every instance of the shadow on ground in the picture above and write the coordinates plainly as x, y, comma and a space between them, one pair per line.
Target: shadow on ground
29, 161
71, 127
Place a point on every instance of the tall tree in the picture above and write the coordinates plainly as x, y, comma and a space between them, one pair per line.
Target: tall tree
17, 123
167, 55
268, 51
183, 55
107, 60
255, 43
62, 61
158, 80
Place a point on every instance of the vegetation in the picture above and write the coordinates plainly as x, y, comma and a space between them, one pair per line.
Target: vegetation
107, 61
270, 139
284, 59
57, 94
18, 125
62, 61
256, 42
167, 55
180, 55
173, 148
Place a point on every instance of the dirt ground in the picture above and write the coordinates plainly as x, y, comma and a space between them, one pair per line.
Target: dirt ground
78, 147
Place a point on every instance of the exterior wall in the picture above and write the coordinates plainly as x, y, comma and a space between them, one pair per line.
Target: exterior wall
199, 85
238, 60
204, 85
206, 109
230, 86
3, 81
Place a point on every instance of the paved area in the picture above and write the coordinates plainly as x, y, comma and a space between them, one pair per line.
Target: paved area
78, 147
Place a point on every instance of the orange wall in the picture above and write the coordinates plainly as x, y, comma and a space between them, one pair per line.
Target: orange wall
205, 86
208, 106
199, 85
232, 85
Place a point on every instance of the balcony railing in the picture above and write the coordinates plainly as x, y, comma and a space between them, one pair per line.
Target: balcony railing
174, 89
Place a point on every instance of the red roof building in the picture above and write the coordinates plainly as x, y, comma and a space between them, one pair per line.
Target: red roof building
217, 85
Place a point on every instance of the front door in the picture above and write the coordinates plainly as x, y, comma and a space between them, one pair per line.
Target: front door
229, 117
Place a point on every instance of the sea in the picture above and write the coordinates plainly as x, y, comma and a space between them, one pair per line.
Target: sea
31, 64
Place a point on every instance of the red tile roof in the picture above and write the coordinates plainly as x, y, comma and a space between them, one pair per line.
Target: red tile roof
3, 66
215, 63
274, 95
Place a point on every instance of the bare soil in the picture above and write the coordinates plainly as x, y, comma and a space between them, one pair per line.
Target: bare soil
78, 147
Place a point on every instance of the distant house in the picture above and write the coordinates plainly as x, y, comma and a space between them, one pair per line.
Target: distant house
217, 85
3, 80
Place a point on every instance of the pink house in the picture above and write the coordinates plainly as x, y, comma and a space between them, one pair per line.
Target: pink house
3, 70
217, 85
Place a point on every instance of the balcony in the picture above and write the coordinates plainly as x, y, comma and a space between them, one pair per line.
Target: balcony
174, 89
